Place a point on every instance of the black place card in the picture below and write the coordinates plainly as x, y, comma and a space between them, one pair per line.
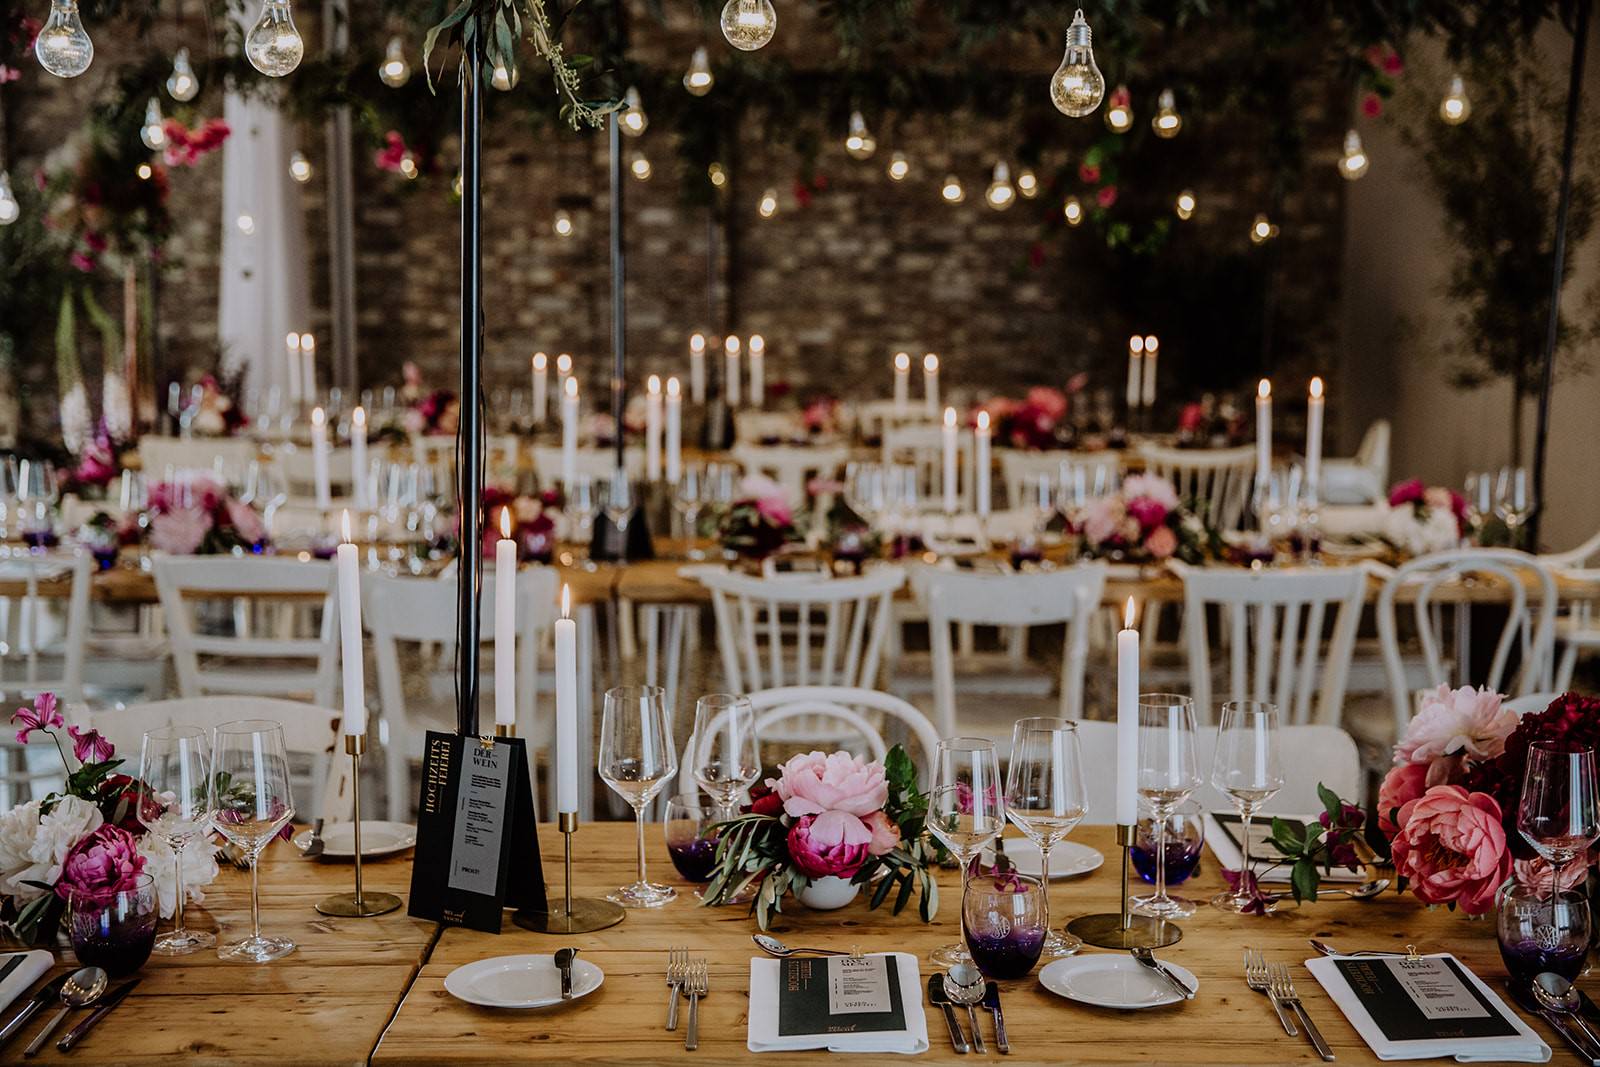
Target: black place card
1426, 999
477, 847
840, 995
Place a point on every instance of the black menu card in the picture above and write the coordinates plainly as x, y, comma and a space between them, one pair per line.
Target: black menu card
839, 995
1425, 999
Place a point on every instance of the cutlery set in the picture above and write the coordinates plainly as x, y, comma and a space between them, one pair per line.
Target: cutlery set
84, 988
686, 978
1273, 981
963, 986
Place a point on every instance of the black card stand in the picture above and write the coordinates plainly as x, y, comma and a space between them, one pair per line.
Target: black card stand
607, 544
519, 881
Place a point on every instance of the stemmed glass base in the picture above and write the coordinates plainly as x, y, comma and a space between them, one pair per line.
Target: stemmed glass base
1058, 943
257, 949
643, 895
1238, 905
948, 956
183, 942
1168, 907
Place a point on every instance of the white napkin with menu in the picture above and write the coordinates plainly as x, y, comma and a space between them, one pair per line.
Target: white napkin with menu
22, 977
763, 1027
1222, 837
1434, 993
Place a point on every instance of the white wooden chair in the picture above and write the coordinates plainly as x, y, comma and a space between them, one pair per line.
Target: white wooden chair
42, 648
791, 466
1529, 628
298, 466
1533, 702
221, 455
422, 611
283, 621
597, 463
1215, 482
1068, 596
1363, 478
922, 447
1578, 628
308, 731
1020, 468
874, 417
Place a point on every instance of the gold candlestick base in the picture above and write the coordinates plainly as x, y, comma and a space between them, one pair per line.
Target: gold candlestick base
357, 905
581, 915
1124, 929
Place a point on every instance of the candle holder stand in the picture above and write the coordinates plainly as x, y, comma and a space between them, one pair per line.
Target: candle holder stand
581, 915
502, 729
1124, 929
357, 905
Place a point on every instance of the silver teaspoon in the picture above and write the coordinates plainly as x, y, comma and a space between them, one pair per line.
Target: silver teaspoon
1554, 993
773, 947
81, 990
964, 984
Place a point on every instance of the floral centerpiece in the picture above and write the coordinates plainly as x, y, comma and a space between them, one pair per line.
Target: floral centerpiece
439, 412
760, 521
829, 816
1038, 420
1143, 522
533, 523
1424, 518
86, 839
1210, 423
196, 515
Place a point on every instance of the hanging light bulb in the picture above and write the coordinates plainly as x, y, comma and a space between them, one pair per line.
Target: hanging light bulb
300, 167
10, 210
1001, 194
859, 142
1027, 184
1455, 107
952, 191
1077, 85
145, 172
182, 85
640, 166
153, 133
1185, 205
408, 166
394, 71
899, 167
1073, 211
1119, 111
273, 45
699, 80
1262, 230
503, 77
1353, 164
749, 24
563, 223
1167, 122
769, 203
63, 48
718, 174
632, 117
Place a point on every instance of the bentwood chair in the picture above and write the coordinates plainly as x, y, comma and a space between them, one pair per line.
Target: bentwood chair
1363, 478
42, 650
922, 447
1578, 627
1215, 482
791, 466
1020, 468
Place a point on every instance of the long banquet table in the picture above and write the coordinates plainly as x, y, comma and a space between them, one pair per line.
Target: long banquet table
372, 990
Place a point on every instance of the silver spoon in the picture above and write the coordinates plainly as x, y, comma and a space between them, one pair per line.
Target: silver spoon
1555, 994
1328, 950
963, 984
773, 947
1357, 892
81, 990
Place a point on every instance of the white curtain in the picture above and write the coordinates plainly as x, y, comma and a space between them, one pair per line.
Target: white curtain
264, 290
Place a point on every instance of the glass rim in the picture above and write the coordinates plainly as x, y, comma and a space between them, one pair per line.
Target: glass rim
1165, 700
636, 692
1057, 725
144, 880
249, 726
719, 701
1559, 746
175, 732
1250, 707
965, 743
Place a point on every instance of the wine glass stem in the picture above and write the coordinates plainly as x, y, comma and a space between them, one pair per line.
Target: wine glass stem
255, 897
1245, 814
639, 825
177, 907
1161, 854
1044, 873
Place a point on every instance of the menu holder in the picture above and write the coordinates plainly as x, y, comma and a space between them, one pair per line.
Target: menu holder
477, 849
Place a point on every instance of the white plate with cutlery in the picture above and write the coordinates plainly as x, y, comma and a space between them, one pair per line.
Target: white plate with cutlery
1113, 981
1067, 859
519, 981
378, 839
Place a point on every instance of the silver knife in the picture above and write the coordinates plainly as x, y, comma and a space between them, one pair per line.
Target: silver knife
564, 965
937, 995
1177, 984
48, 994
104, 1009
991, 1000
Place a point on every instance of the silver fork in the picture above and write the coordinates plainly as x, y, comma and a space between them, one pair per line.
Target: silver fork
697, 984
1283, 989
677, 963
1255, 976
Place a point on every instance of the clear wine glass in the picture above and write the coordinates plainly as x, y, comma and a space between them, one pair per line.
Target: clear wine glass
175, 763
1169, 772
1480, 499
637, 760
726, 753
579, 505
9, 496
1513, 501
619, 499
1559, 810
1046, 797
249, 794
687, 500
1246, 768
966, 812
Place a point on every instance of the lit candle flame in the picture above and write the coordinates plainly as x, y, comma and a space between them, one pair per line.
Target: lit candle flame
1151, 343
563, 364
731, 345
654, 385
930, 363
697, 342
318, 418
949, 416
673, 389
1136, 344
1316, 389
1264, 390
902, 361
758, 343
572, 387
345, 523
505, 524
540, 361
308, 343
983, 422
1128, 615
566, 601
293, 341
358, 417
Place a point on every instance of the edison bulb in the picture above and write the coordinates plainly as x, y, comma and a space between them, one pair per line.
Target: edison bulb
952, 191
769, 203
1027, 184
182, 85
1072, 210
1455, 107
1262, 230
63, 47
1185, 205
563, 223
1167, 122
1353, 164
503, 77
632, 117
640, 167
1119, 112
699, 79
10, 210
1001, 194
394, 71
718, 174
1077, 85
153, 133
300, 167
899, 167
273, 45
749, 24
859, 142
408, 166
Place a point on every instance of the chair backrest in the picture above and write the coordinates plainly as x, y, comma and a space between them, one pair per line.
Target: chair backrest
1069, 596
1577, 557
1533, 702
1309, 755
791, 466
278, 661
922, 447
596, 463
873, 417
1373, 452
232, 455
1274, 626
1215, 482
1019, 467
42, 645
843, 647
308, 730
299, 469
1530, 590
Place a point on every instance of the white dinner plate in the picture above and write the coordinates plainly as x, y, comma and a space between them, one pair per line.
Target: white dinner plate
377, 839
519, 981
1067, 860
1112, 981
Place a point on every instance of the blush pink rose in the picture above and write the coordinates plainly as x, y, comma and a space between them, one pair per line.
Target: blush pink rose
1452, 848
816, 857
100, 866
1105, 516
1452, 721
839, 789
1161, 543
180, 532
1536, 872
1402, 785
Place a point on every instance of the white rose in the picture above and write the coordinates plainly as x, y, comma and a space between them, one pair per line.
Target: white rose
70, 821
199, 870
18, 828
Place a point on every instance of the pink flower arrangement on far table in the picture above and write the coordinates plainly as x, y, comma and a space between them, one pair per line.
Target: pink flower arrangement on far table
1145, 521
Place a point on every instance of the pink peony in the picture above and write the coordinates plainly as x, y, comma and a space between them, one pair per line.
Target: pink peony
1052, 402
246, 522
105, 863
1149, 513
1104, 518
1151, 487
885, 834
1465, 720
817, 857
1162, 542
1536, 872
1452, 848
42, 716
179, 533
1410, 492
1403, 784
839, 789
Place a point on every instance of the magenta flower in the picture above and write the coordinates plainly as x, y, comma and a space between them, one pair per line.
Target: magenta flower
105, 863
1245, 882
816, 857
89, 747
42, 716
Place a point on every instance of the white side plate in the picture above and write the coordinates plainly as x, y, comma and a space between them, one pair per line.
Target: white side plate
1067, 860
519, 981
1112, 981
377, 839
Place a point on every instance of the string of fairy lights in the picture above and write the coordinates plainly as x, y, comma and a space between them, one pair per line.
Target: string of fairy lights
1077, 88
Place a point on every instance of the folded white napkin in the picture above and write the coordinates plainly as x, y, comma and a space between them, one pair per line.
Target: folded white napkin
1525, 1047
763, 1028
20, 980
1263, 856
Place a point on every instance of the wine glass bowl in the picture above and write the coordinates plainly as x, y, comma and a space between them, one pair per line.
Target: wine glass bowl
637, 761
966, 811
1046, 797
1169, 774
174, 761
725, 753
250, 797
1247, 770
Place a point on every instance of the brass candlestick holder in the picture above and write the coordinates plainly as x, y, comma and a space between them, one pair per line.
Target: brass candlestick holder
1125, 929
582, 915
505, 729
357, 905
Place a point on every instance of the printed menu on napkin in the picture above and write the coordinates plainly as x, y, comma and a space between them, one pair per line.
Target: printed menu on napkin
1224, 832
843, 1004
